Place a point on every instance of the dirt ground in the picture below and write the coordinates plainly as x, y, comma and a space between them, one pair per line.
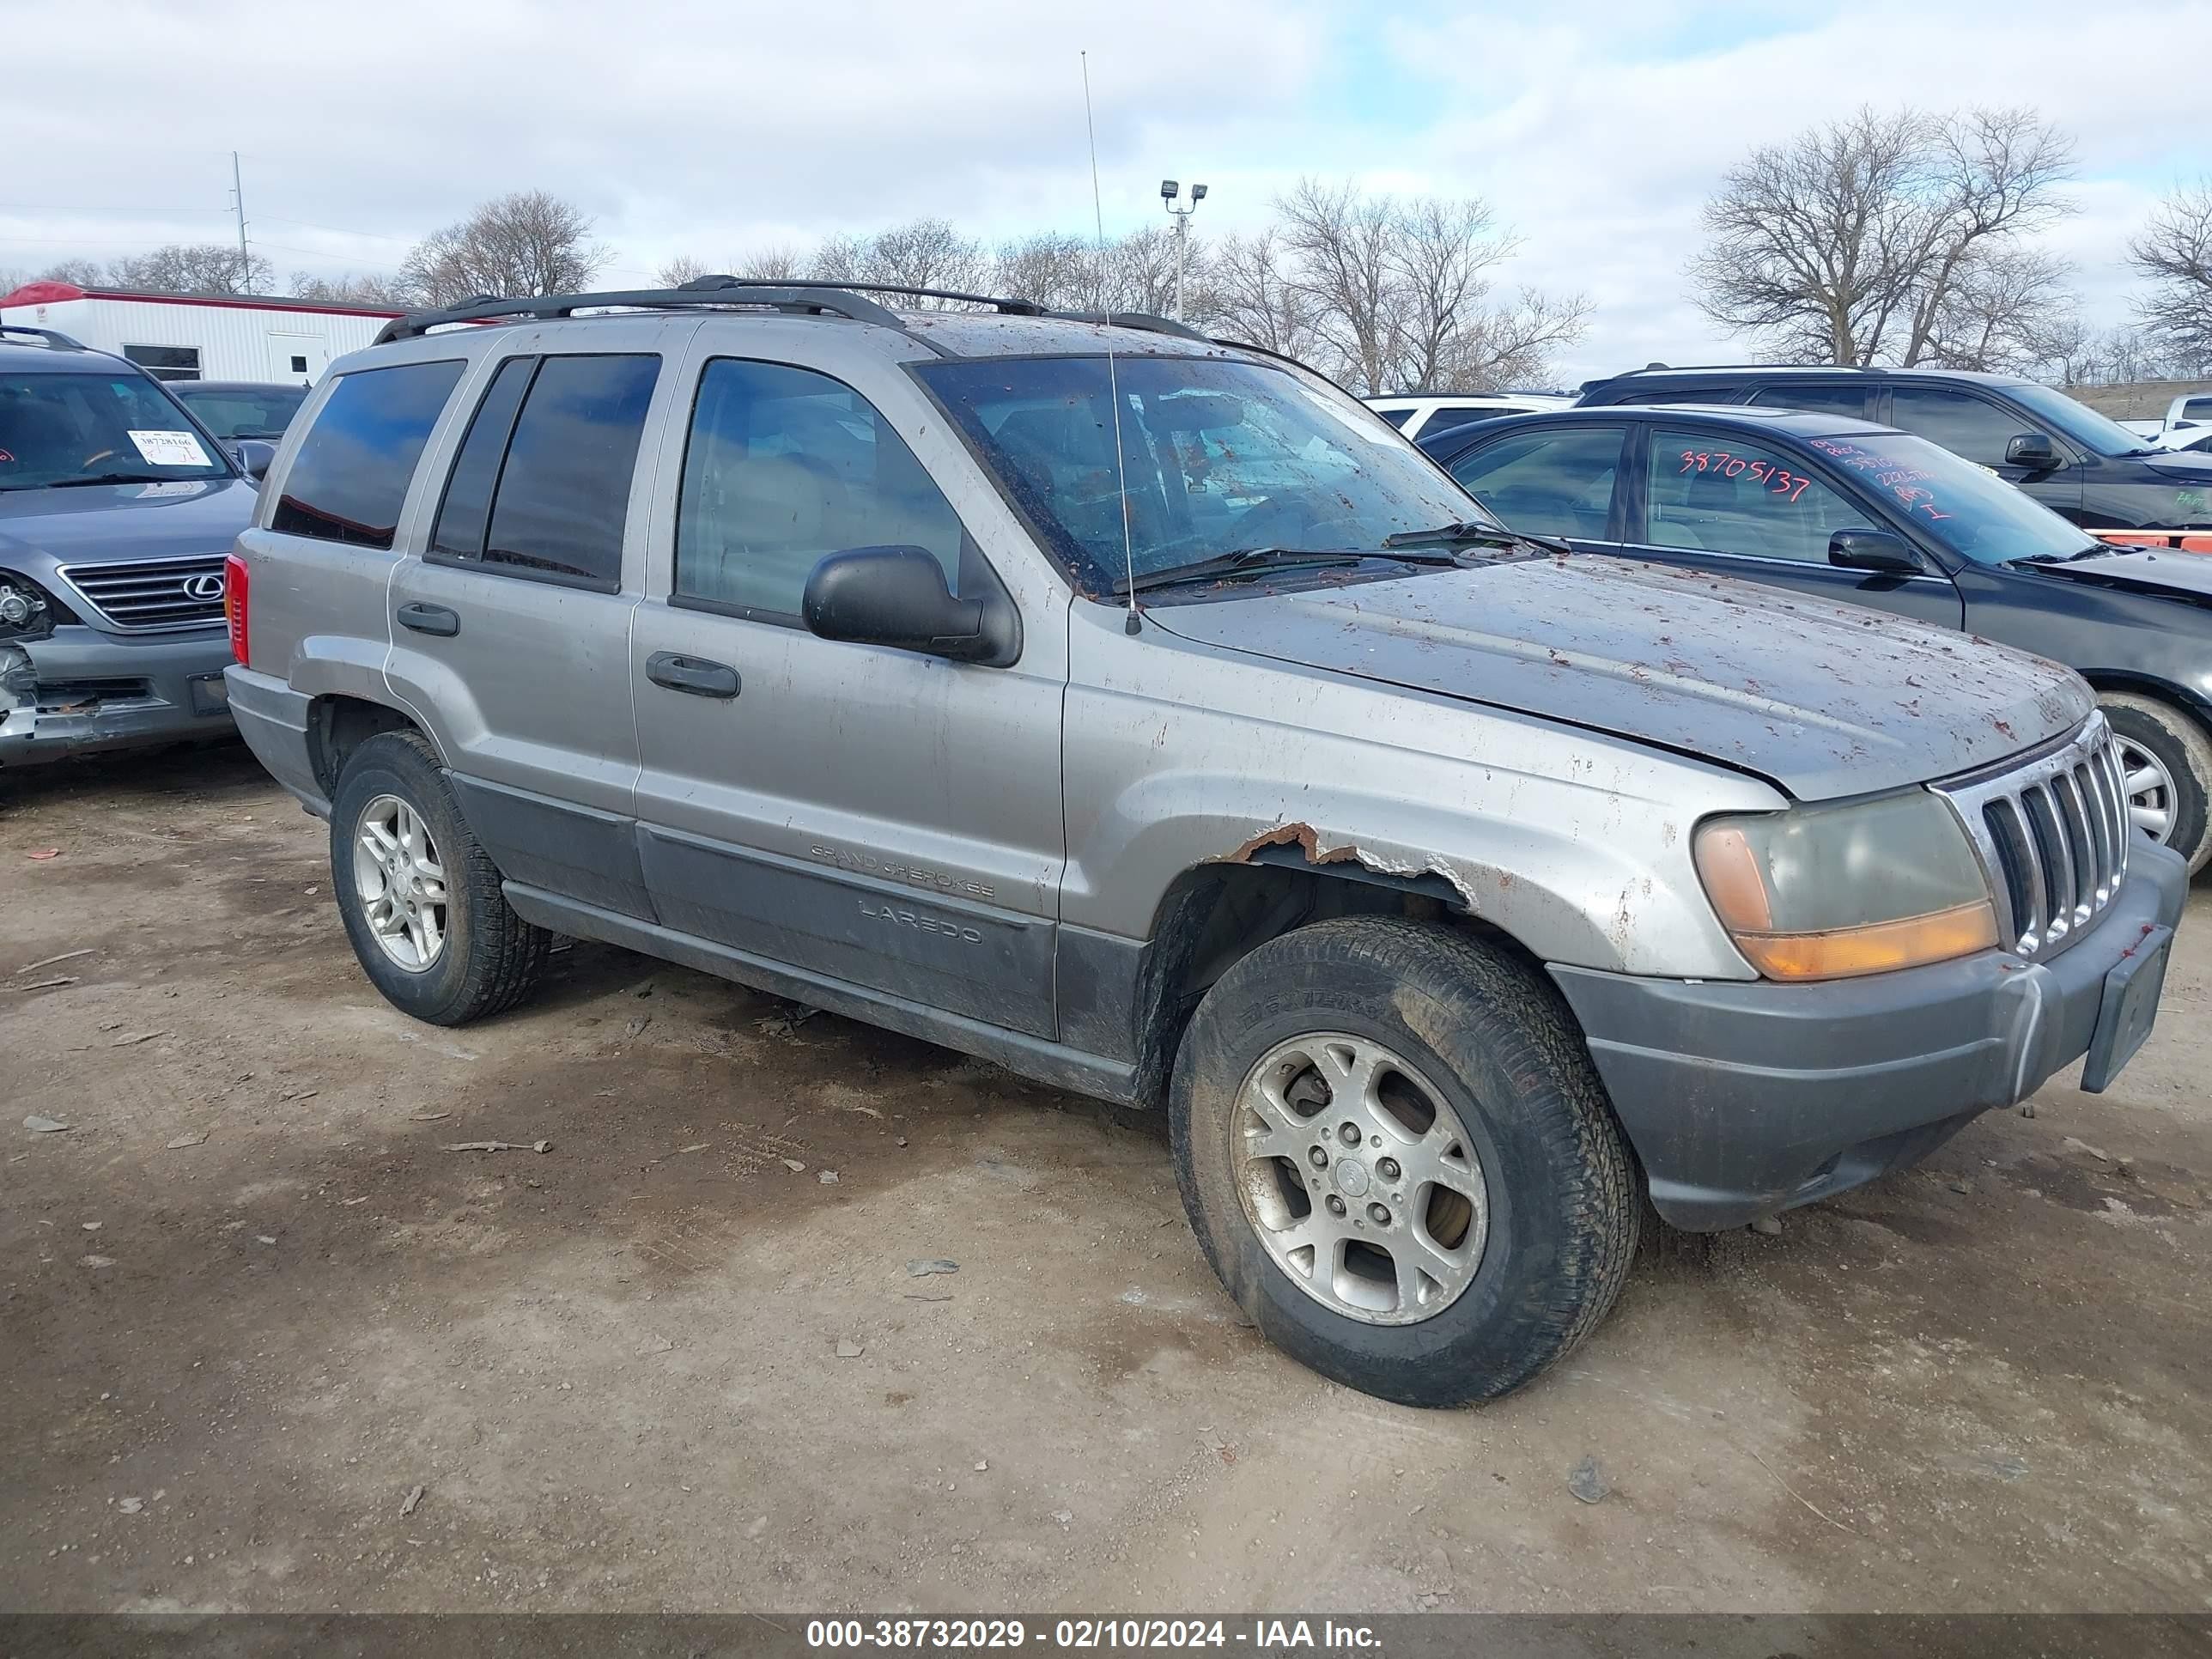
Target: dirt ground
268, 1343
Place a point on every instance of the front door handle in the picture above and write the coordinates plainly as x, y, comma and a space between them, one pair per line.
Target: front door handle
695, 675
430, 619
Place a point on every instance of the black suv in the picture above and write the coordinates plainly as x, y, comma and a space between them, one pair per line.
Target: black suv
1844, 510
2088, 470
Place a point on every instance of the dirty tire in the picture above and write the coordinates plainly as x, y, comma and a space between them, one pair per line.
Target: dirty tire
492, 958
2185, 751
1565, 1200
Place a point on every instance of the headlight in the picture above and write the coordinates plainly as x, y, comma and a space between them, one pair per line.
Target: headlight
1824, 892
21, 604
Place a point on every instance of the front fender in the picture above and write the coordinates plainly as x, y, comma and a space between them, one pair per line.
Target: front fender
1575, 845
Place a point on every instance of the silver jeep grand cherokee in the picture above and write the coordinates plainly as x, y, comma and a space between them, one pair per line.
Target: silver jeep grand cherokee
1145, 715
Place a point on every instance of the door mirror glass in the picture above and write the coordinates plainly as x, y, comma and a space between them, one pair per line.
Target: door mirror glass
2033, 450
898, 597
1876, 550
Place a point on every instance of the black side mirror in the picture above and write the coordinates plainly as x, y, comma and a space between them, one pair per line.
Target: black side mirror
2033, 450
253, 455
896, 596
1876, 549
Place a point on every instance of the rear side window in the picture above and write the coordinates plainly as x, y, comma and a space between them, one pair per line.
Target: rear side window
784, 467
1555, 482
1850, 400
542, 485
349, 479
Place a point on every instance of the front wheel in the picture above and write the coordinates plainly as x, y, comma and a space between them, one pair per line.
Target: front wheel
2167, 759
420, 900
1399, 1161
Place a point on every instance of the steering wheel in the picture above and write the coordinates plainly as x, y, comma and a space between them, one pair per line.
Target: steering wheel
1279, 522
87, 462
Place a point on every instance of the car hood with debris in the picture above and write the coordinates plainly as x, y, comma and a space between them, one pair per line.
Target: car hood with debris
1823, 701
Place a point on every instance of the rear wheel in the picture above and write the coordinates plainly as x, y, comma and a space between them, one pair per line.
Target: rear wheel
421, 901
2167, 760
1399, 1160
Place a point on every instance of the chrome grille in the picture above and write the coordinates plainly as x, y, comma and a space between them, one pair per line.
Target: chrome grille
142, 595
2053, 834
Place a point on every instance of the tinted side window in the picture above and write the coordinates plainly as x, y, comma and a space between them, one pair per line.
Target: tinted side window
1453, 415
1557, 481
1961, 422
1850, 400
1712, 493
564, 492
465, 514
784, 467
349, 479
1398, 417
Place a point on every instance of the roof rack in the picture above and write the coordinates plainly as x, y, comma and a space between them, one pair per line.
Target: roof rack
53, 336
803, 297
1702, 368
800, 296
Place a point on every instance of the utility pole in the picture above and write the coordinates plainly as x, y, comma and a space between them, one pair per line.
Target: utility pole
245, 262
1168, 191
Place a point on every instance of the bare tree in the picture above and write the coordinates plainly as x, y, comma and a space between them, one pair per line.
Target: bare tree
2175, 251
1049, 269
770, 265
530, 242
85, 273
2007, 312
1397, 292
354, 288
1257, 297
1849, 244
194, 268
674, 273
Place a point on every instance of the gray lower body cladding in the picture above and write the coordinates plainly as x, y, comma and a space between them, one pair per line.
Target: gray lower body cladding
1744, 1098
91, 691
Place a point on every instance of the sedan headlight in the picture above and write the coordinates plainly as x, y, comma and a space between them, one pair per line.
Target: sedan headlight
1825, 892
21, 603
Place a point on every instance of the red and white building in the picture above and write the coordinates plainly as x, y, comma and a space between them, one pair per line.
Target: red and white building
196, 337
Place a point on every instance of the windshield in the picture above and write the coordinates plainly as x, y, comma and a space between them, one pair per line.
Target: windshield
1219, 457
242, 411
122, 429
1967, 508
2077, 421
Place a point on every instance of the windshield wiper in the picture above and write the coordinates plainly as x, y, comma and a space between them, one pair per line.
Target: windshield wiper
2093, 550
1476, 532
1249, 560
115, 478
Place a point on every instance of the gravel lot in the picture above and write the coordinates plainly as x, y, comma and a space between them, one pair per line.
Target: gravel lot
270, 1343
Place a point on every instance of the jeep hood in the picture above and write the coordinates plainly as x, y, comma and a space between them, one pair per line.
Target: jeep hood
95, 523
1823, 701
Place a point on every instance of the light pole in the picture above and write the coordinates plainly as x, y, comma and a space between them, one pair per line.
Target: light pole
1168, 191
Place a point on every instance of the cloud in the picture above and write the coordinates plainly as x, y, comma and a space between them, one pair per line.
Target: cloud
1596, 130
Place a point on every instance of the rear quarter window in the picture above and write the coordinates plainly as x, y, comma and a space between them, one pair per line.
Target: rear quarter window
349, 479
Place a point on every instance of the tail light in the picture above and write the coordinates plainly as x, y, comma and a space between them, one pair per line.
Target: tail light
234, 586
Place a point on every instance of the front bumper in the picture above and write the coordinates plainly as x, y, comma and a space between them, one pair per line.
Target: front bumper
90, 691
1744, 1098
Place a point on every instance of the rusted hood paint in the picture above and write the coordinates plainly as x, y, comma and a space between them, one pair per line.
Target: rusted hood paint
1824, 701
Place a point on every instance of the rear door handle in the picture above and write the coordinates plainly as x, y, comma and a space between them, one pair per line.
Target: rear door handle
430, 619
695, 675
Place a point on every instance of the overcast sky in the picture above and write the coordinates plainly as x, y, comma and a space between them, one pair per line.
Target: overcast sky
1593, 128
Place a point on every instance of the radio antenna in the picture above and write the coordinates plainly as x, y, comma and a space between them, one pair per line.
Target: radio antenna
1136, 620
